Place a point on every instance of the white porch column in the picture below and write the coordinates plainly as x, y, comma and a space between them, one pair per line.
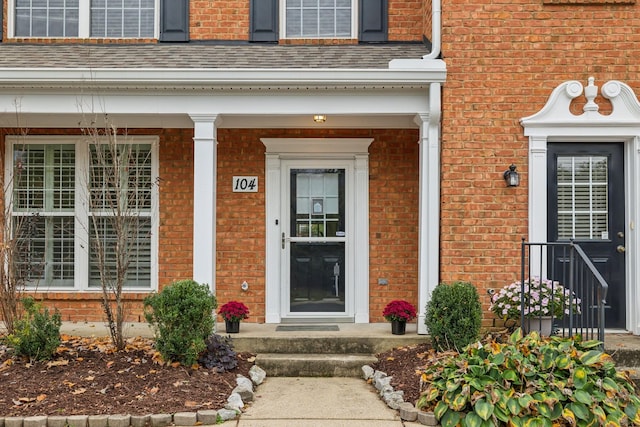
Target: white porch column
361, 230
429, 203
204, 198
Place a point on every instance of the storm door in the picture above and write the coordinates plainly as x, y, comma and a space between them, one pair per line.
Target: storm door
586, 204
315, 262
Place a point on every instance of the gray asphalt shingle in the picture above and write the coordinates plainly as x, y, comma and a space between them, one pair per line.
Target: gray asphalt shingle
193, 55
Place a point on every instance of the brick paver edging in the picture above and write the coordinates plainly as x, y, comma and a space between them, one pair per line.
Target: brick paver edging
204, 417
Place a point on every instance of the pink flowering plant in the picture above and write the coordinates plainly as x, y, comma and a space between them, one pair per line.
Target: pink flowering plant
234, 311
541, 297
399, 310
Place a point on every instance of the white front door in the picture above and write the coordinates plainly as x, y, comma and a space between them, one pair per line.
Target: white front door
317, 257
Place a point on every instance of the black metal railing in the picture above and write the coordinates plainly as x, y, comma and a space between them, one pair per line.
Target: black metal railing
567, 266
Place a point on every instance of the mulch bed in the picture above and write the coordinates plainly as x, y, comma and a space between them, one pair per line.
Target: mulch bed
87, 377
404, 365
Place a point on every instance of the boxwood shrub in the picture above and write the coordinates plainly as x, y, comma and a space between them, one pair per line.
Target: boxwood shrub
182, 318
453, 316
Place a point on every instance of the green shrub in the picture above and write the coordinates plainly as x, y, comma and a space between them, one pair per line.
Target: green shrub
182, 318
37, 333
530, 381
453, 316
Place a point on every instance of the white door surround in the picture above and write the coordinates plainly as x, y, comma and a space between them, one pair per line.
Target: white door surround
555, 123
352, 152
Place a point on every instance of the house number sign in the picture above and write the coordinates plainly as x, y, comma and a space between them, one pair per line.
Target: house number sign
245, 184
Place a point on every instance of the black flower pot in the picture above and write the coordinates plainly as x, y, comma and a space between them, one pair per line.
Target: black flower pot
232, 327
398, 327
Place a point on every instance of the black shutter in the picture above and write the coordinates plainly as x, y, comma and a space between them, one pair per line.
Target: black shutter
174, 20
373, 20
264, 21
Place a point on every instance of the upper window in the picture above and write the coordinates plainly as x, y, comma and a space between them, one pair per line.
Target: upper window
122, 18
67, 200
319, 18
47, 18
86, 18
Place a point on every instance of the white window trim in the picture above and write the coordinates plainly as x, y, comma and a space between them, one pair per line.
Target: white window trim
84, 21
81, 273
555, 123
282, 19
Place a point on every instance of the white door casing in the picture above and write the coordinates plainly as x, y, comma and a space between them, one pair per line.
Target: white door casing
555, 123
351, 153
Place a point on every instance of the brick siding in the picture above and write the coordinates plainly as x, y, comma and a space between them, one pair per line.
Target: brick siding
503, 62
393, 215
241, 218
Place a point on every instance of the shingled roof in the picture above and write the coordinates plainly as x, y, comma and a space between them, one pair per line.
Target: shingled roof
371, 56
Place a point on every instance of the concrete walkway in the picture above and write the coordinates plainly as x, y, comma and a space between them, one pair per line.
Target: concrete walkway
317, 402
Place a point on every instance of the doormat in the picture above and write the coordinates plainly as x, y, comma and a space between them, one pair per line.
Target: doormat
296, 328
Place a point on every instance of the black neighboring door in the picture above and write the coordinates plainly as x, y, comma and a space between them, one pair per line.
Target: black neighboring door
586, 203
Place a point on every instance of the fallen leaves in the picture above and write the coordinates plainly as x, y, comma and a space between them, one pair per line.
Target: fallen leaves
6, 364
59, 362
87, 376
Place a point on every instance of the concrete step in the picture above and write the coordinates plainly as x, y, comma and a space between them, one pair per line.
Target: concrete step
313, 365
323, 345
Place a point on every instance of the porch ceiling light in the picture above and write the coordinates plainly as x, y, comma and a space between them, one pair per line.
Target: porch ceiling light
319, 118
511, 177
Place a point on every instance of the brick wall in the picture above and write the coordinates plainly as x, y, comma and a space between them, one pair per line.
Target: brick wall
219, 20
503, 61
406, 20
241, 218
175, 254
393, 215
393, 219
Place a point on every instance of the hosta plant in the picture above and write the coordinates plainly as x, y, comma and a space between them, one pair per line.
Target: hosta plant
530, 381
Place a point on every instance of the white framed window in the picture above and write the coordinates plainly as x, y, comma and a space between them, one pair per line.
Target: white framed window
318, 19
84, 18
123, 18
61, 192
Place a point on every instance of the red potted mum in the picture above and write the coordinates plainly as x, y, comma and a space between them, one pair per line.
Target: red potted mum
232, 313
399, 312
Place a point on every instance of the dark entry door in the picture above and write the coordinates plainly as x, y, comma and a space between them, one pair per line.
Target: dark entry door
586, 204
317, 241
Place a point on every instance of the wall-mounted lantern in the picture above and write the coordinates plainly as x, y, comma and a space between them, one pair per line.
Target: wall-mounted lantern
511, 177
